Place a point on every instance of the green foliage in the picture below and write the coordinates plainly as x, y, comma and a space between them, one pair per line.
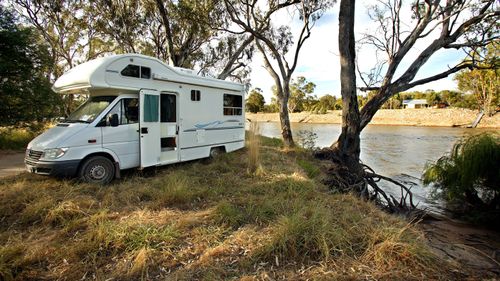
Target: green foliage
300, 91
273, 107
255, 101
445, 97
484, 83
307, 139
433, 98
273, 142
15, 139
25, 93
312, 170
325, 103
470, 173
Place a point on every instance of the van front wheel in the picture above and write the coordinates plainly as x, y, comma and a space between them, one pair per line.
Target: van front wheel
97, 169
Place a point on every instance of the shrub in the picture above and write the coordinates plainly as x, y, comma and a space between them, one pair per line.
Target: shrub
470, 174
307, 139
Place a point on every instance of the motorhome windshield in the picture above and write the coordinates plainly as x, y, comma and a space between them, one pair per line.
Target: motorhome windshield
88, 111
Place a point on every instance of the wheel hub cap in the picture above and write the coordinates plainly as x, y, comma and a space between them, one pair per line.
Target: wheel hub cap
98, 172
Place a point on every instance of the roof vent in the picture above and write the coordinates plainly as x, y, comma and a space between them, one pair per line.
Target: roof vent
185, 70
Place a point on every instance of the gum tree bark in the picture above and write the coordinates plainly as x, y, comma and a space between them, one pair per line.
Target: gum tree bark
348, 143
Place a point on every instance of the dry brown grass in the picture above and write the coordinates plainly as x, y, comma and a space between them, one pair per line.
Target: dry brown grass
253, 145
205, 221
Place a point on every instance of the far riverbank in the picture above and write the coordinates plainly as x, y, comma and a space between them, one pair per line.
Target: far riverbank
445, 117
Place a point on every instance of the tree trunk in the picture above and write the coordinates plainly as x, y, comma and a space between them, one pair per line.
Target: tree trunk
348, 143
286, 130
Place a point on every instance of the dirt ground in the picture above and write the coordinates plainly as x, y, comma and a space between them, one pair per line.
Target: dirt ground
475, 248
11, 163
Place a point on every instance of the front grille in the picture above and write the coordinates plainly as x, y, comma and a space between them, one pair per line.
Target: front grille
33, 155
28, 162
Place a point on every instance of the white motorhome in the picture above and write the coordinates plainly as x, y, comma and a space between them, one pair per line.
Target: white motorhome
140, 113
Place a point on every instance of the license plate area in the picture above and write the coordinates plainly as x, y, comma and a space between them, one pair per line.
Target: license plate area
30, 169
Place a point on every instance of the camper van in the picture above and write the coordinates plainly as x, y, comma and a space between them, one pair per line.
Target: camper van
140, 113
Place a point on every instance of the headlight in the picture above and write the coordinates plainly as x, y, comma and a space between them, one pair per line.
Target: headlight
54, 153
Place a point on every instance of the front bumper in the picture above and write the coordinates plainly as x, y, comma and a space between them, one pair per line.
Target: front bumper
67, 168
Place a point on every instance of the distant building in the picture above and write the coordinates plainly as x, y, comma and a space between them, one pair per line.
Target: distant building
420, 103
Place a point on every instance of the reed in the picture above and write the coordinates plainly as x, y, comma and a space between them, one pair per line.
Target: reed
253, 148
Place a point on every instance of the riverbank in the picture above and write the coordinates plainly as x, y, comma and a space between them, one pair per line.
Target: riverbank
445, 117
210, 220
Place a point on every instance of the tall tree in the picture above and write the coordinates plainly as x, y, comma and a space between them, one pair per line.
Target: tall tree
435, 25
348, 143
484, 82
70, 32
255, 101
25, 93
275, 43
300, 88
195, 33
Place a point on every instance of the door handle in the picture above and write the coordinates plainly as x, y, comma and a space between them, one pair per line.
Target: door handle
144, 130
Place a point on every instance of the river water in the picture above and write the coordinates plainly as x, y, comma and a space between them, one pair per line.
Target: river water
399, 152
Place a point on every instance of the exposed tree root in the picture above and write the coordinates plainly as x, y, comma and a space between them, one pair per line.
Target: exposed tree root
360, 179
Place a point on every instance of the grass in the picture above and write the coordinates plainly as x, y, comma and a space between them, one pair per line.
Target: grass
205, 221
17, 138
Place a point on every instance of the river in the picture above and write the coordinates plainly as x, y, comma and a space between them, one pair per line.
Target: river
399, 152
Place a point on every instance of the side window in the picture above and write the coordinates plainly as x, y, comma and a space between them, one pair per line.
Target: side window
233, 104
130, 111
145, 72
195, 95
117, 109
136, 71
127, 110
131, 71
151, 108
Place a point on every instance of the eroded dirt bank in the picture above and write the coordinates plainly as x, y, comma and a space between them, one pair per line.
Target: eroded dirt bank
471, 247
446, 117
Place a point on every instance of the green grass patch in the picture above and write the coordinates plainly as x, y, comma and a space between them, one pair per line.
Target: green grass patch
271, 142
311, 169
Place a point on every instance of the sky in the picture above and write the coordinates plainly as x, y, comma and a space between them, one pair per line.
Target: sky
319, 60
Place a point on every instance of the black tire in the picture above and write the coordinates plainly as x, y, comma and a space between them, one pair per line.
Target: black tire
97, 169
216, 152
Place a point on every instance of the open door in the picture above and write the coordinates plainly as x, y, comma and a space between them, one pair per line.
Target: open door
149, 128
169, 138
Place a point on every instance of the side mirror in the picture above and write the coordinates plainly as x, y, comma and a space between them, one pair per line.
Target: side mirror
113, 120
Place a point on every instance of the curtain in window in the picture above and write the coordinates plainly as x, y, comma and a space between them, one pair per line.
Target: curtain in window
151, 108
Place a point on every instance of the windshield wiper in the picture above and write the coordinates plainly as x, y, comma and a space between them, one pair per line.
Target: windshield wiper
76, 121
